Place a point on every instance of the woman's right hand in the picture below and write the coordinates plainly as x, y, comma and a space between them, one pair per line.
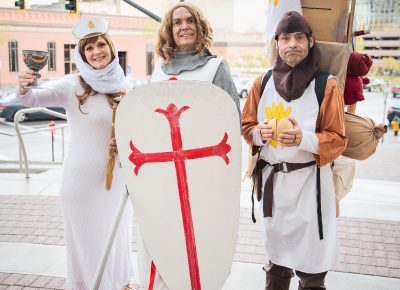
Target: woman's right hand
113, 145
25, 78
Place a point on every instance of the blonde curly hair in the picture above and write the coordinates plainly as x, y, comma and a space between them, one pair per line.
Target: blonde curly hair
165, 46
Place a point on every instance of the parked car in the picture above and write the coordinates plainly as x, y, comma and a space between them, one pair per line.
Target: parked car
374, 85
5, 92
243, 86
395, 89
11, 106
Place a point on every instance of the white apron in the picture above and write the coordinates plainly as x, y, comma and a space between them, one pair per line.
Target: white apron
291, 235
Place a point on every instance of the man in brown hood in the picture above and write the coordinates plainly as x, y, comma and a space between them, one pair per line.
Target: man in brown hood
298, 130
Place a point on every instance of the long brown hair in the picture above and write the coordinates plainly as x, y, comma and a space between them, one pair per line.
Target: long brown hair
165, 46
87, 89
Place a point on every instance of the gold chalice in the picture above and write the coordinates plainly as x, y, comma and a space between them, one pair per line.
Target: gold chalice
35, 60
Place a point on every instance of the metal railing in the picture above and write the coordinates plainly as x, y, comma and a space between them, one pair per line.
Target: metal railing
23, 158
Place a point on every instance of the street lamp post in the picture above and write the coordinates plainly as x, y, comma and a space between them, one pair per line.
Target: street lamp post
145, 11
385, 93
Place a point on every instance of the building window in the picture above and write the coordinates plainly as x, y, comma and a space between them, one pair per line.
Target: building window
69, 65
149, 59
13, 56
51, 48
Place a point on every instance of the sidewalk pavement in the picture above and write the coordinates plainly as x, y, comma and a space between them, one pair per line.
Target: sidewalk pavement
33, 254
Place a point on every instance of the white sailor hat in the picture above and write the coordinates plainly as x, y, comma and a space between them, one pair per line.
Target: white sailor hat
89, 27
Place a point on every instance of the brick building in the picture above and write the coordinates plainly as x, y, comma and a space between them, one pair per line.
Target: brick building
382, 17
45, 25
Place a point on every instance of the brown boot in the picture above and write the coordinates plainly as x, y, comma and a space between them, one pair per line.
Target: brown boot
311, 281
277, 277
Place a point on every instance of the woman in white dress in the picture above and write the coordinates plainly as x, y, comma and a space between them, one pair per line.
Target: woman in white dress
88, 208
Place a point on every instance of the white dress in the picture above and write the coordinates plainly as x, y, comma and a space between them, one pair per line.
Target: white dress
87, 207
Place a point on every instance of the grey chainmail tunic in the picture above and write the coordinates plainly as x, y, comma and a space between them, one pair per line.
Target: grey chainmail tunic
190, 60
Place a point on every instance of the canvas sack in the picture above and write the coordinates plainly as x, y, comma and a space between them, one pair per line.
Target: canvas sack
363, 136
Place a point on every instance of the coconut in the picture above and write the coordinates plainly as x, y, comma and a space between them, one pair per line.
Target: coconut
284, 123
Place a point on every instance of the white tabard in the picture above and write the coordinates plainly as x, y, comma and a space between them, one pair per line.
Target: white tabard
291, 234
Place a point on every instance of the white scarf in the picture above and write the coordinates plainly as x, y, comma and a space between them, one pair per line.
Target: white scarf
108, 80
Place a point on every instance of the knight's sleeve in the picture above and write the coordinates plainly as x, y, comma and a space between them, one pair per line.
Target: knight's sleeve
249, 114
330, 125
224, 80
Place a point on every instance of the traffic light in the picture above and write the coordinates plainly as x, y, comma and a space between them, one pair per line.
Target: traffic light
20, 4
71, 6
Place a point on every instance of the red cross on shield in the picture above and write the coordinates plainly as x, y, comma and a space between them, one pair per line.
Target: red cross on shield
180, 149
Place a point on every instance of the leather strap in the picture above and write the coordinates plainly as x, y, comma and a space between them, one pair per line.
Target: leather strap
269, 184
319, 211
269, 187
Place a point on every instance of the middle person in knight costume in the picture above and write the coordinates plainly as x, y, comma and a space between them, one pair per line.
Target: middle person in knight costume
298, 195
183, 41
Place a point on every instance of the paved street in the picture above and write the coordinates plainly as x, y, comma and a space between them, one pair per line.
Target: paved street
32, 232
368, 246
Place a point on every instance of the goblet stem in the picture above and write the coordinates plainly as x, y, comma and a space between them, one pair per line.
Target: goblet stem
35, 79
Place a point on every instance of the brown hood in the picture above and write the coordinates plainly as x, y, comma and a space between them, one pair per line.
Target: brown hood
291, 82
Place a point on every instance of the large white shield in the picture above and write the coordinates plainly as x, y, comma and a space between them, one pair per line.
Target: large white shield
180, 148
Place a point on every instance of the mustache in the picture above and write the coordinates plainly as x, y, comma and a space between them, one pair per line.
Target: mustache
294, 50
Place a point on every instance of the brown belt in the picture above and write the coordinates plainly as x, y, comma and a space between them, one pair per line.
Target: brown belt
284, 167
